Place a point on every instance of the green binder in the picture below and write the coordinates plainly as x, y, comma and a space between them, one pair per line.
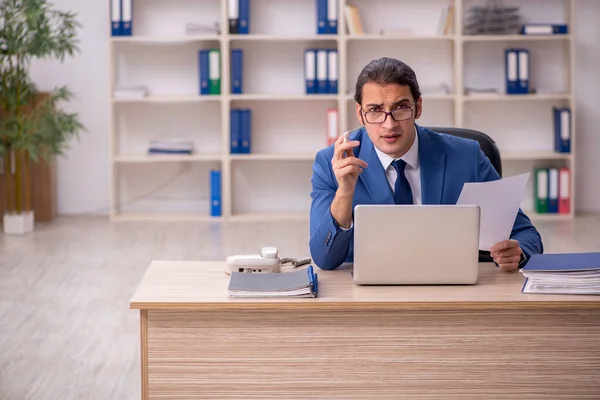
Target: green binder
214, 61
541, 190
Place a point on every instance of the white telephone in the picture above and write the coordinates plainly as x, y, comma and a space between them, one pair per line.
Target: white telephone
266, 262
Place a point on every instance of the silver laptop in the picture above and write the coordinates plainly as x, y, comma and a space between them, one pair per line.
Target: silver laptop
416, 244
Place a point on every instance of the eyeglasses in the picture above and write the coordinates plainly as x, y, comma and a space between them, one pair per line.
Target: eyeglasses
399, 114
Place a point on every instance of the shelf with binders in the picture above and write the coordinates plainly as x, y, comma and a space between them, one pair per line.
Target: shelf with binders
543, 130
548, 192
270, 188
275, 130
155, 20
280, 20
164, 73
154, 190
177, 132
499, 71
260, 59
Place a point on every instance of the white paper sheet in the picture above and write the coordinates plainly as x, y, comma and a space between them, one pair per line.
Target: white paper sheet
499, 202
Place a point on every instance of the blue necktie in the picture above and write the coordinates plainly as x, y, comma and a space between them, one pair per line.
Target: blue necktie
402, 191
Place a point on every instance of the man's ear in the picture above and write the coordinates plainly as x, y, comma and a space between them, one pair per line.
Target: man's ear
359, 114
418, 108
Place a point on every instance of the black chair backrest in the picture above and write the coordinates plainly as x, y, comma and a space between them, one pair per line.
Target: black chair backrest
489, 148
486, 143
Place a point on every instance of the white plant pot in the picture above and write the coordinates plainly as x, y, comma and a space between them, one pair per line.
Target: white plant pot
18, 224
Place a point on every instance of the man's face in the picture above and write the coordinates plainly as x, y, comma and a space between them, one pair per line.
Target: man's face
391, 137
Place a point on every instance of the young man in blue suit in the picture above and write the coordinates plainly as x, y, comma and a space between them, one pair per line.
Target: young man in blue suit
392, 160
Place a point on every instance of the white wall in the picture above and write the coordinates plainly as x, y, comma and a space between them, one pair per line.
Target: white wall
588, 106
83, 178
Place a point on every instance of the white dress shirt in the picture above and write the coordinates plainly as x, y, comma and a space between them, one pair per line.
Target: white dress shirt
412, 170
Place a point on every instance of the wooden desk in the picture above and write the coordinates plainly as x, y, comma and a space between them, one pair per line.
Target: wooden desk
487, 341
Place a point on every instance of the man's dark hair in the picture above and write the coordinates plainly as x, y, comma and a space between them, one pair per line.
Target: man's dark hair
387, 70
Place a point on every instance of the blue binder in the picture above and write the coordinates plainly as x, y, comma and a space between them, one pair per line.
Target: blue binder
127, 13
544, 29
524, 69
322, 73
244, 15
116, 18
332, 17
203, 65
511, 70
566, 273
246, 131
332, 71
322, 25
310, 71
517, 71
562, 129
235, 132
215, 193
563, 262
237, 63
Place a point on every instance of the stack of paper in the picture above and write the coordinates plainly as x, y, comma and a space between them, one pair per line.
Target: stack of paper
576, 273
171, 146
299, 283
196, 28
131, 92
499, 202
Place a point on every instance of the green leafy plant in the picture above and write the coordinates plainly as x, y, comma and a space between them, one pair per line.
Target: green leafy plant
32, 123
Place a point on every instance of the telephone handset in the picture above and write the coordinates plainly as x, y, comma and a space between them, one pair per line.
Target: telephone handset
266, 262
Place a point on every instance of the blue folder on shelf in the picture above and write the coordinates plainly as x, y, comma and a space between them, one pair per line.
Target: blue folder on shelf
517, 71
116, 18
237, 71
570, 273
215, 193
203, 69
561, 118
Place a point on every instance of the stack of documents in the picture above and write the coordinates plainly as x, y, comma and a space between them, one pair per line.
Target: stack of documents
197, 28
130, 92
576, 273
299, 283
171, 146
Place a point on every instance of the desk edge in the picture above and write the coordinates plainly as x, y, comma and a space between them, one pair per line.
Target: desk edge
363, 306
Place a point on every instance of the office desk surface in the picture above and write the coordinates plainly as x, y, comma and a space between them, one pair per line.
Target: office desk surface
202, 285
487, 340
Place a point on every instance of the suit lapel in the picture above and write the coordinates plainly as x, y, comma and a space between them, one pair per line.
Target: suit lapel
373, 177
432, 160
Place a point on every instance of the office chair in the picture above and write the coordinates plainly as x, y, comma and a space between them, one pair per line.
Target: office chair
489, 148
486, 143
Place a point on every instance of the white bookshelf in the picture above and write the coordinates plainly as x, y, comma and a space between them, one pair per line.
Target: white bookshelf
289, 126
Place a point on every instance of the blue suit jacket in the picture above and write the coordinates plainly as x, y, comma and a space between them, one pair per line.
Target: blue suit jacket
446, 163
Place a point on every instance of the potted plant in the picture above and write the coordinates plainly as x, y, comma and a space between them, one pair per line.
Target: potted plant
32, 124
